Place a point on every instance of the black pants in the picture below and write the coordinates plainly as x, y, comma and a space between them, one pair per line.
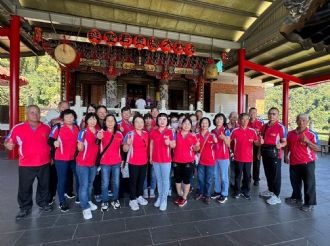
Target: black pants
183, 172
272, 168
303, 173
97, 184
26, 176
52, 181
256, 164
137, 175
245, 168
69, 182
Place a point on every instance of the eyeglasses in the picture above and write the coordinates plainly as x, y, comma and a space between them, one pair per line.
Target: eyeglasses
272, 113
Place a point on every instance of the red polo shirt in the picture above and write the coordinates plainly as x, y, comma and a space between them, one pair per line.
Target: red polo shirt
33, 148
256, 125
112, 155
87, 157
128, 126
220, 149
68, 142
207, 156
183, 151
161, 152
300, 153
273, 134
243, 143
138, 154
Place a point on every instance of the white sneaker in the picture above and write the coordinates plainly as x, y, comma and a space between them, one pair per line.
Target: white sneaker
142, 201
134, 205
169, 193
157, 203
87, 213
266, 193
273, 200
152, 193
145, 194
163, 206
93, 207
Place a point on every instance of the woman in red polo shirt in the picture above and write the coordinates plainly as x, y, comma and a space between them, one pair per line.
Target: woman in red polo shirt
183, 158
64, 139
110, 161
136, 144
86, 169
161, 143
206, 160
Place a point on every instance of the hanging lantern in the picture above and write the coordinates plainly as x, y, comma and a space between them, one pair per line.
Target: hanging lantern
189, 49
211, 71
140, 42
178, 48
125, 39
37, 37
110, 38
224, 57
166, 46
153, 44
94, 36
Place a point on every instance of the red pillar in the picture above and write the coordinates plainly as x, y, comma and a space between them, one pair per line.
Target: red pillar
14, 75
241, 67
285, 109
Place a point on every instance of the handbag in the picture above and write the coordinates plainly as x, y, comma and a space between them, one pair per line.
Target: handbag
268, 150
125, 170
100, 154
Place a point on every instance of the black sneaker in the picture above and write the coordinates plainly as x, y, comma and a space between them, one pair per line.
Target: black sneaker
237, 196
307, 208
69, 195
256, 183
22, 214
293, 201
77, 201
64, 208
51, 201
246, 196
215, 195
222, 199
47, 208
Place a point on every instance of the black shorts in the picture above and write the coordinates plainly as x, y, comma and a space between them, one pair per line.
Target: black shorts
183, 172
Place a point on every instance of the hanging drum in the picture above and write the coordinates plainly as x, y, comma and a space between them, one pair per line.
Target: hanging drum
65, 54
211, 71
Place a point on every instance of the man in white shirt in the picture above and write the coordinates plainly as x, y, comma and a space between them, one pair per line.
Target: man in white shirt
140, 103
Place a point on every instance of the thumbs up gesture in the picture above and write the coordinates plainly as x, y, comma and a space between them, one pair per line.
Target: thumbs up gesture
262, 141
167, 140
10, 144
121, 128
222, 136
129, 140
100, 134
304, 138
198, 144
57, 144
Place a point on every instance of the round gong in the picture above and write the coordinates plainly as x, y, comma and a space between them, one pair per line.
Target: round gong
65, 54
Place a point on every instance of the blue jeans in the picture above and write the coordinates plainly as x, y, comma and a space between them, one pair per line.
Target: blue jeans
106, 172
221, 181
205, 178
162, 171
62, 173
152, 181
86, 176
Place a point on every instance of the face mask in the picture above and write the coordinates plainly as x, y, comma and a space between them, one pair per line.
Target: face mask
175, 125
194, 123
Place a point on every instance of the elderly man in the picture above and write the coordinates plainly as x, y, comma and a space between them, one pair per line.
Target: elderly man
34, 160
300, 154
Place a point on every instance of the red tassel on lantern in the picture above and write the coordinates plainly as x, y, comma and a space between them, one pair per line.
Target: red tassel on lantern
125, 40
166, 46
140, 42
178, 48
94, 36
37, 35
189, 49
110, 38
153, 44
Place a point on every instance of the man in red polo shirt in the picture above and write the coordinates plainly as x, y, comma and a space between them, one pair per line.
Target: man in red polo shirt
243, 139
34, 160
302, 144
256, 124
273, 136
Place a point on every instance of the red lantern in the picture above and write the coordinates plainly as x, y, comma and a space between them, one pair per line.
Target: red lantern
125, 39
94, 36
178, 48
224, 57
189, 49
110, 38
37, 35
153, 44
140, 42
166, 46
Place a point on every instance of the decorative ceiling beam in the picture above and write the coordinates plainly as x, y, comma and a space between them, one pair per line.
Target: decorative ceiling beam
219, 8
135, 9
74, 21
23, 54
4, 47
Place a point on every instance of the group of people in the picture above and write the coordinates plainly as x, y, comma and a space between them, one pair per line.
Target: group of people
102, 155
